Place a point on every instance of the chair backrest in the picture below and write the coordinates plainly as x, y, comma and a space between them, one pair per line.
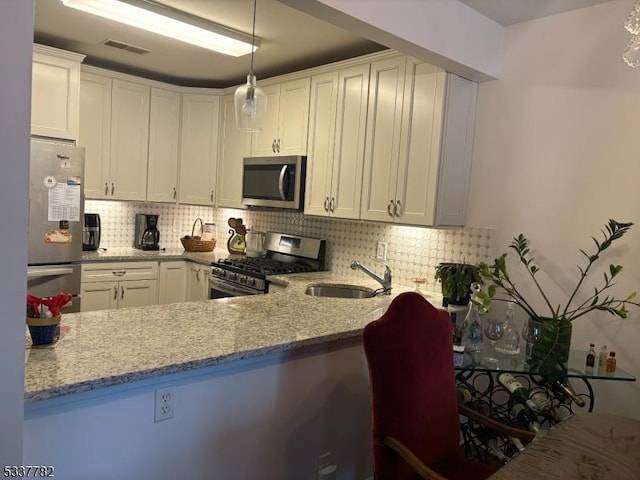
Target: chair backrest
409, 353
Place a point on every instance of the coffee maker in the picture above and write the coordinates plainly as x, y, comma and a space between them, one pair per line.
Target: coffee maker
147, 236
91, 232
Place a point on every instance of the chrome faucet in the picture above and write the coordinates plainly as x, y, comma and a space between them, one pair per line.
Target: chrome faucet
384, 281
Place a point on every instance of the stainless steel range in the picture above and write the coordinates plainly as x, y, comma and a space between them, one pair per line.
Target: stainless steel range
241, 275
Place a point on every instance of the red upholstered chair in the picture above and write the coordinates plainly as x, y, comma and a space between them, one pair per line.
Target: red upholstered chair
415, 423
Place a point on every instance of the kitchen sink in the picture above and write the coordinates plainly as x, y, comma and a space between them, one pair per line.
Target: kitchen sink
337, 290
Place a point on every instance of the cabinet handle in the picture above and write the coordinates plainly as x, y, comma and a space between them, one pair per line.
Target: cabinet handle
389, 206
326, 204
397, 209
174, 193
115, 293
121, 293
198, 275
119, 273
212, 196
113, 188
278, 145
332, 204
273, 146
106, 188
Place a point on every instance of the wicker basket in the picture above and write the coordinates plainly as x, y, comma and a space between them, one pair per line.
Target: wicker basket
194, 244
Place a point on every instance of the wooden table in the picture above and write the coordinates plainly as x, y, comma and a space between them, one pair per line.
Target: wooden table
590, 446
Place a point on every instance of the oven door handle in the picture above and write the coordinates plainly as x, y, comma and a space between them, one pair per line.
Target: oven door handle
283, 173
231, 289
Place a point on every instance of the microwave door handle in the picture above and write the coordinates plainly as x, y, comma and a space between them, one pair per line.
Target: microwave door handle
283, 173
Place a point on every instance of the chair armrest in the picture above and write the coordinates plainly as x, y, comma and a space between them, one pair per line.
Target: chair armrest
496, 425
414, 462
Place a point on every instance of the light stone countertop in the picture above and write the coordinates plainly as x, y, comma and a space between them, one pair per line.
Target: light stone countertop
133, 254
112, 347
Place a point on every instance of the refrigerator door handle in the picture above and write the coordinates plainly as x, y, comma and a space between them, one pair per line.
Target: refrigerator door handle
34, 272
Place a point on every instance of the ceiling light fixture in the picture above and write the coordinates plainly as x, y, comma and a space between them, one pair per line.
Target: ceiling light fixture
169, 22
250, 101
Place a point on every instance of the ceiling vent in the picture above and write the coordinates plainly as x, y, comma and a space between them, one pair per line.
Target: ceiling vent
126, 46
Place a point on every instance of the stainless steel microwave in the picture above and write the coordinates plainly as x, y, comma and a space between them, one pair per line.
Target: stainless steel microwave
276, 182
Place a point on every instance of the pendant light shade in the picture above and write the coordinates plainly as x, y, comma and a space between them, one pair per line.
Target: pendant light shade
249, 100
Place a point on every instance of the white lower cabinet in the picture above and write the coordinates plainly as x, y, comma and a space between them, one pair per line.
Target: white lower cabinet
118, 285
197, 281
173, 282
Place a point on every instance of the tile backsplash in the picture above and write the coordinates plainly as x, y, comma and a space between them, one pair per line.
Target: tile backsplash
412, 251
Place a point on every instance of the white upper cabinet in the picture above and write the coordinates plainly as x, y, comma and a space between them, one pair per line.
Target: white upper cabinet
129, 140
337, 124
286, 121
164, 145
419, 140
199, 148
235, 144
55, 90
114, 129
95, 133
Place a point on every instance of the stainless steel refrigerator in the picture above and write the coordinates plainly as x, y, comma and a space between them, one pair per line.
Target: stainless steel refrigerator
56, 204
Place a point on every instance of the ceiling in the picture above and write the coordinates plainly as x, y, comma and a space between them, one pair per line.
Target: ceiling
290, 40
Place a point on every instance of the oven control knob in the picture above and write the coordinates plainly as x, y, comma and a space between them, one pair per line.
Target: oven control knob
243, 279
219, 272
252, 282
232, 276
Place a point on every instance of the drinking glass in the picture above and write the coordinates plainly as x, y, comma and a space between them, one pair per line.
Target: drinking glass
493, 330
531, 333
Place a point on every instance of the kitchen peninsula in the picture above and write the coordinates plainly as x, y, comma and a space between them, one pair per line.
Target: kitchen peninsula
254, 379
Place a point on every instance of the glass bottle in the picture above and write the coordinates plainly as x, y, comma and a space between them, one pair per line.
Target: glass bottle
603, 356
538, 396
591, 356
510, 341
517, 391
472, 330
525, 417
563, 389
611, 363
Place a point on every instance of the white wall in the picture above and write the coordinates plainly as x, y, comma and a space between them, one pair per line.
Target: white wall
16, 37
557, 154
268, 419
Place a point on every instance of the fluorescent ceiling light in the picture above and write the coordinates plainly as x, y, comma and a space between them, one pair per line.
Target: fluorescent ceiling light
154, 17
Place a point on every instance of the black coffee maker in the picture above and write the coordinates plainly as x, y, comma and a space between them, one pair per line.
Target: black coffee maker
147, 235
91, 232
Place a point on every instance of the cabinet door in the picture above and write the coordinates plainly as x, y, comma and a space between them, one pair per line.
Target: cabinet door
384, 120
198, 279
456, 151
199, 148
99, 295
138, 293
235, 145
264, 142
348, 158
55, 88
293, 118
322, 127
95, 133
420, 148
173, 282
164, 139
129, 140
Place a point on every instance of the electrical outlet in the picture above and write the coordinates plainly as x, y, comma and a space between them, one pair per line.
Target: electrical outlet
381, 251
164, 404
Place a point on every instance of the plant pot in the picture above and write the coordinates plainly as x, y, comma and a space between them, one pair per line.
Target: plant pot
456, 280
551, 352
43, 331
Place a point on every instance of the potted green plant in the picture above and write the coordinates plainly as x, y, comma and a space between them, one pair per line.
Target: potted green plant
552, 350
456, 280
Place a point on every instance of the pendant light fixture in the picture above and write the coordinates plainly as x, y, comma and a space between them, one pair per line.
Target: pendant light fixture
250, 101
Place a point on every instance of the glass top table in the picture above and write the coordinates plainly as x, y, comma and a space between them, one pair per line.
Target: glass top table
576, 367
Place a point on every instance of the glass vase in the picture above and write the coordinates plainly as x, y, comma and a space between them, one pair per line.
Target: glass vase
552, 350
